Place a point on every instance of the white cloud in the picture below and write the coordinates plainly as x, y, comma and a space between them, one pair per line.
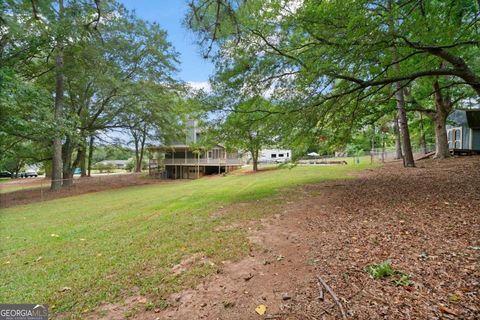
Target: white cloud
198, 85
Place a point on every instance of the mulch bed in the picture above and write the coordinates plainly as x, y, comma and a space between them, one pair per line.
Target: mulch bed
425, 220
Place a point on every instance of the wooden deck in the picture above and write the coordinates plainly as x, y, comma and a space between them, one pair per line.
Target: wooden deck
464, 152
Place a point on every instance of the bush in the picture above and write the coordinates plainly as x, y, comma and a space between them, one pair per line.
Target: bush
104, 167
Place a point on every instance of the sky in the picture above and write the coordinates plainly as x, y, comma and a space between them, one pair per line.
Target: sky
169, 14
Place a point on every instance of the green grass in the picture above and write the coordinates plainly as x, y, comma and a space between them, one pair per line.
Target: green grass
16, 187
110, 245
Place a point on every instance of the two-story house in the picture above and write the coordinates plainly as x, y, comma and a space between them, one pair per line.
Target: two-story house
188, 160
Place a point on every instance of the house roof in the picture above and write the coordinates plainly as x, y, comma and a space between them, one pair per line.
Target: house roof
115, 162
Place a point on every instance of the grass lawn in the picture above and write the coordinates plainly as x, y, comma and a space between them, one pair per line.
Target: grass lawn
77, 252
18, 186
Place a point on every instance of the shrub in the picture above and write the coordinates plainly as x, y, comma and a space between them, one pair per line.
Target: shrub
103, 167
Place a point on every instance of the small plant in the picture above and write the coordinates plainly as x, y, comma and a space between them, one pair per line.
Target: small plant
384, 269
381, 270
403, 280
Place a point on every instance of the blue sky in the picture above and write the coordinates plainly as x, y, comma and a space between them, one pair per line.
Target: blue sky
170, 15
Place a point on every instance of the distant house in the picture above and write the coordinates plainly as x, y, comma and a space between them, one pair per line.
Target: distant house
463, 130
118, 164
275, 155
186, 160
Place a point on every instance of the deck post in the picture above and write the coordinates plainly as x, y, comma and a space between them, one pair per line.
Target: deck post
174, 166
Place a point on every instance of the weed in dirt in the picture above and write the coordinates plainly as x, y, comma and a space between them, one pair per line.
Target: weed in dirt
384, 270
381, 270
228, 304
403, 280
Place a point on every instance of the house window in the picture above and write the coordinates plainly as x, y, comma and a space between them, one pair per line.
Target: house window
274, 155
288, 154
454, 136
280, 155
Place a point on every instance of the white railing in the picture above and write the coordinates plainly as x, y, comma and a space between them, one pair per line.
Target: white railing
193, 161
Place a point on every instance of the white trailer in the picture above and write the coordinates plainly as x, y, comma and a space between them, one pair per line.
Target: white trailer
275, 155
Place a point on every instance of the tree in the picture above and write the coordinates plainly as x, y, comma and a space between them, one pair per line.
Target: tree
436, 98
247, 130
313, 52
153, 116
59, 25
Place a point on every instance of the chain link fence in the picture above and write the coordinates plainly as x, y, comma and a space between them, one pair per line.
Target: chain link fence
29, 190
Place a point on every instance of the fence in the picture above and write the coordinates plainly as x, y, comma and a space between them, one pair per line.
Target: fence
28, 190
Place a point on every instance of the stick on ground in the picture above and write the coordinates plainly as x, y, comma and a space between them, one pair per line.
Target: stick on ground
320, 291
334, 296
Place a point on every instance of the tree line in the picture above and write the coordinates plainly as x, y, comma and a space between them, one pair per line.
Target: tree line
333, 68
75, 73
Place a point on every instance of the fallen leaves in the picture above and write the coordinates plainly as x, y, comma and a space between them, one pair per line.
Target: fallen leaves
446, 310
261, 309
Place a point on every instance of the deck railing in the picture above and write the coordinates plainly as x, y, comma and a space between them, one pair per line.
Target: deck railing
193, 161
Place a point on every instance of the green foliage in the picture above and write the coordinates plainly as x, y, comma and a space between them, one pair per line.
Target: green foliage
403, 280
330, 65
104, 167
130, 165
116, 66
381, 270
246, 127
111, 152
384, 270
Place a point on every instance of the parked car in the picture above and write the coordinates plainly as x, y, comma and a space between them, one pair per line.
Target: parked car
28, 174
5, 174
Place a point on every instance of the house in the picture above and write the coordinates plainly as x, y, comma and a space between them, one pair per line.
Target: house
275, 155
118, 164
463, 130
187, 160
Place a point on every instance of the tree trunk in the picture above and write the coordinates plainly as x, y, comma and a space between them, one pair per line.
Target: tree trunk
372, 151
67, 162
423, 140
140, 148
138, 165
398, 139
255, 160
443, 107
82, 151
90, 154
441, 140
408, 160
57, 140
400, 97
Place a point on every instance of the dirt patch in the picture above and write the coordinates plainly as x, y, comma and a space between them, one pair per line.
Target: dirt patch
37, 190
188, 262
426, 220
